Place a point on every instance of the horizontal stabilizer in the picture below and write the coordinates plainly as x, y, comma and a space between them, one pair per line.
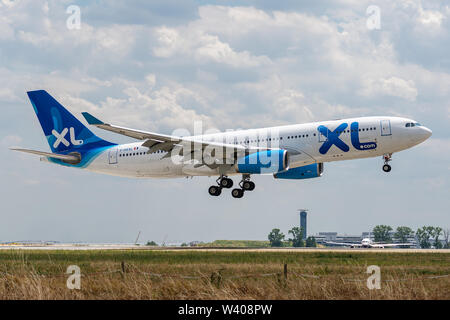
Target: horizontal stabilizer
71, 158
91, 119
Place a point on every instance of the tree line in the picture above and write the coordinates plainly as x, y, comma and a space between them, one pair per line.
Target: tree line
426, 236
277, 239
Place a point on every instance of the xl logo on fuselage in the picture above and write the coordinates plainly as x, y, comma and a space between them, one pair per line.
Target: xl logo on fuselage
332, 138
61, 138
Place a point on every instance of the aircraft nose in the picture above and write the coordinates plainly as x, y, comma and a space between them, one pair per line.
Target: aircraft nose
426, 132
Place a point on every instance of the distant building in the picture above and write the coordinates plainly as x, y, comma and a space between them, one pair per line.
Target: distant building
327, 236
303, 215
368, 235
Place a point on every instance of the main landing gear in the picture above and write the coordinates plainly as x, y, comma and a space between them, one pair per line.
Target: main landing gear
224, 182
245, 184
387, 158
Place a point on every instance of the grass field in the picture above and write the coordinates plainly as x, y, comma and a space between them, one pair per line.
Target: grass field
222, 275
238, 243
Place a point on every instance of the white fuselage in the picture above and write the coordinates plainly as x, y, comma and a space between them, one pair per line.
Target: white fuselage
304, 142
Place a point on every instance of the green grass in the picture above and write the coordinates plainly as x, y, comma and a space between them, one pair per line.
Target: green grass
182, 257
239, 243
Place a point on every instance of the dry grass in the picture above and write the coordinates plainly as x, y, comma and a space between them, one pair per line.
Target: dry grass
220, 275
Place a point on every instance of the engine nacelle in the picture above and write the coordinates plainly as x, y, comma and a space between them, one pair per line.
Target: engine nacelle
269, 161
305, 172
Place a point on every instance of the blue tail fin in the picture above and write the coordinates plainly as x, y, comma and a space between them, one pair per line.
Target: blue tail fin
63, 131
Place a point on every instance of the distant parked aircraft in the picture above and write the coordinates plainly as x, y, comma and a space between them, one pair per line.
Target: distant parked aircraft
368, 243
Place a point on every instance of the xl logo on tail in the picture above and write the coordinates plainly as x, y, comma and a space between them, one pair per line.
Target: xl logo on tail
60, 138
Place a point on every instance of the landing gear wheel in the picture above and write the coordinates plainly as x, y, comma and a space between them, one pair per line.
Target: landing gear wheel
215, 191
248, 185
226, 183
237, 193
387, 157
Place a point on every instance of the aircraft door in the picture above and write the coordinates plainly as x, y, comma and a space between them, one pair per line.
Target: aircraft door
112, 155
322, 137
386, 127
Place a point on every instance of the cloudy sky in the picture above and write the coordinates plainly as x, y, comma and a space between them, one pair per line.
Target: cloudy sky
161, 65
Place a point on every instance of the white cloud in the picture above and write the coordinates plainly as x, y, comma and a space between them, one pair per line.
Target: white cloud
392, 86
11, 140
203, 47
322, 61
114, 40
7, 94
151, 79
157, 109
8, 3
169, 41
437, 147
429, 17
6, 31
117, 38
211, 48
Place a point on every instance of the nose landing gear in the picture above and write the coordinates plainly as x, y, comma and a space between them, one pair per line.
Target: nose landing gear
387, 158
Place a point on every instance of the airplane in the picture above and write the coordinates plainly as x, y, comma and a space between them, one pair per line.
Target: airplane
296, 151
368, 243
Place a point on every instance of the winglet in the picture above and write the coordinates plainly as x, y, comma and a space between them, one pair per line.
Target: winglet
91, 119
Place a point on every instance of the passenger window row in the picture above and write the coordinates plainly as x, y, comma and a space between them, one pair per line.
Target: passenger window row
257, 140
274, 139
307, 135
136, 153
359, 130
298, 136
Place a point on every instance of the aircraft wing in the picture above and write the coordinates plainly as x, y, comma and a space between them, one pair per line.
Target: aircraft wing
154, 141
344, 244
136, 134
384, 245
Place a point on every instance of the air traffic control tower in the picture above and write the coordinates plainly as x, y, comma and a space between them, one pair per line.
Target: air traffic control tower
303, 214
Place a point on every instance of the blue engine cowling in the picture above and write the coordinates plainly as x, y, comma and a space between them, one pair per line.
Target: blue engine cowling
306, 172
269, 161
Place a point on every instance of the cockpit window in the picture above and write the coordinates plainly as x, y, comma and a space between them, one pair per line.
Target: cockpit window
417, 124
412, 124
408, 125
